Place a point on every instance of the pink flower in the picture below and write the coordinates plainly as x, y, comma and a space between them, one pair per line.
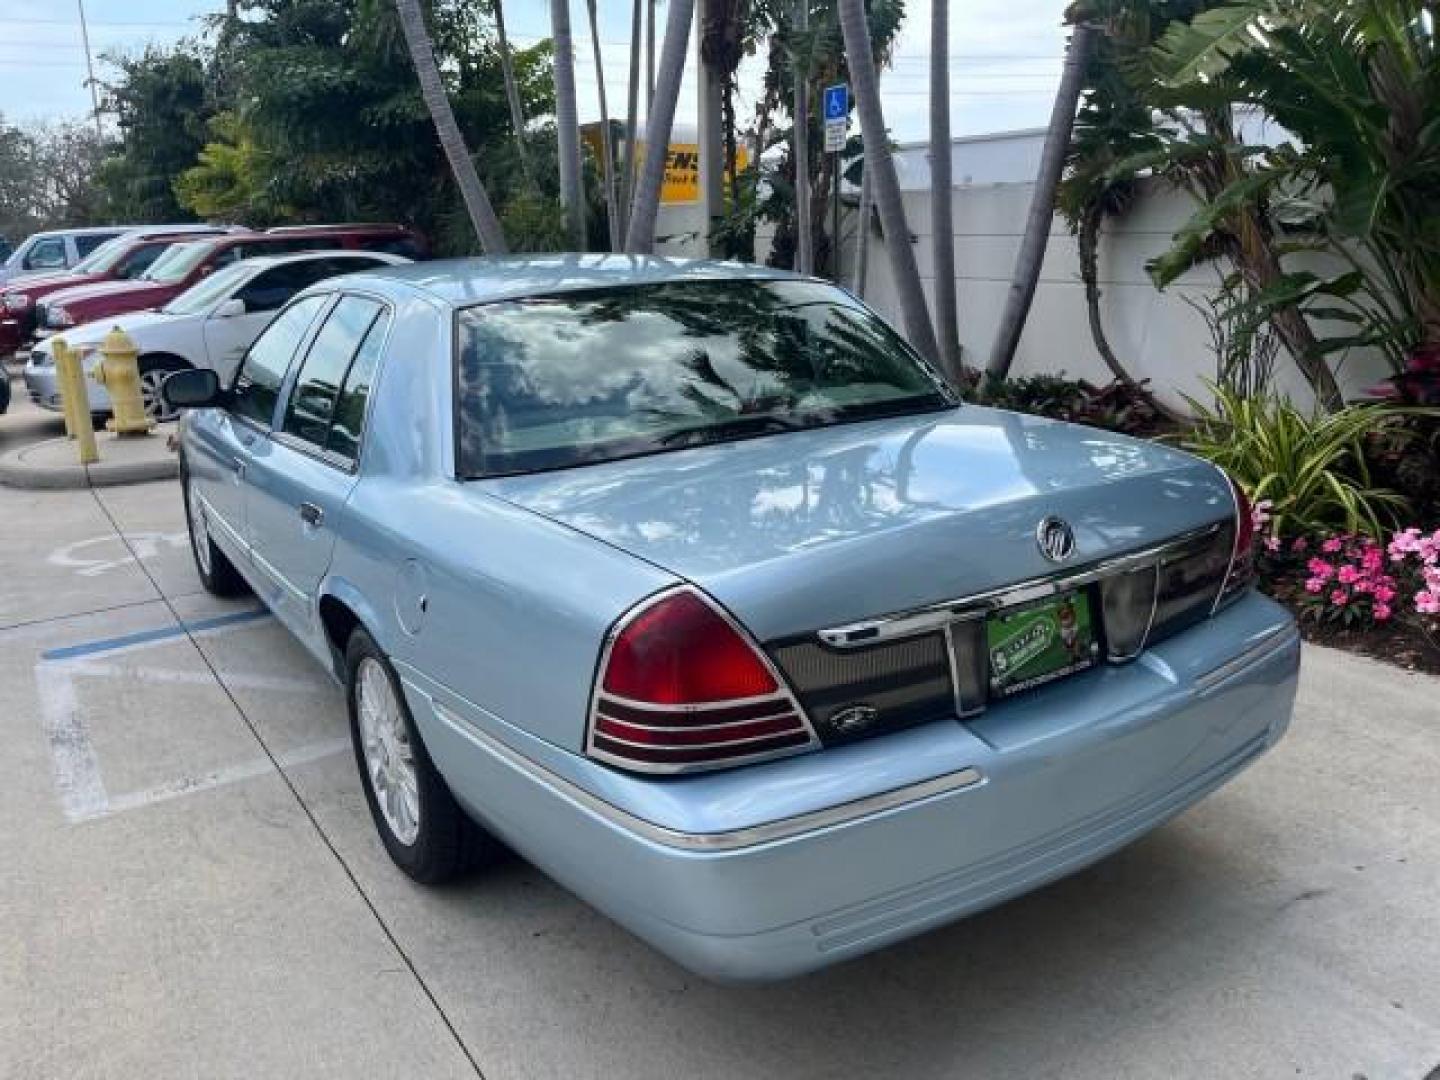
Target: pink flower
1300, 544
1382, 612
1348, 575
1427, 603
1339, 598
1383, 594
1272, 543
1320, 568
1314, 585
1372, 560
1332, 545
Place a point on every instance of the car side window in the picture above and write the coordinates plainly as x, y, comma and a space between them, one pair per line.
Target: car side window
349, 421
88, 242
311, 407
257, 386
47, 254
138, 261
272, 289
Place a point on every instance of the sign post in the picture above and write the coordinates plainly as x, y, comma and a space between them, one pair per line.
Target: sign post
837, 112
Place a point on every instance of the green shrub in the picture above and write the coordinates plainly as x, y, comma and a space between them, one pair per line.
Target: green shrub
1312, 468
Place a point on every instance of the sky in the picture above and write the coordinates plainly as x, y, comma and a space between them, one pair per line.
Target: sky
1005, 57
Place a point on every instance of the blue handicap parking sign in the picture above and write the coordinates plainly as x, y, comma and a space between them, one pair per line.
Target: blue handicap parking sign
837, 101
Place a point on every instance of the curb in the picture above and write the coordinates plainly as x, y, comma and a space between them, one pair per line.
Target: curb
16, 472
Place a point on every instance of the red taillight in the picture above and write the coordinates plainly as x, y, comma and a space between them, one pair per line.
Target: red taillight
1242, 558
682, 688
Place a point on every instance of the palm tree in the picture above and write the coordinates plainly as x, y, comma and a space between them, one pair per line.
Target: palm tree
862, 234
640, 237
941, 195
1042, 206
512, 88
567, 124
607, 173
432, 90
800, 152
632, 113
881, 166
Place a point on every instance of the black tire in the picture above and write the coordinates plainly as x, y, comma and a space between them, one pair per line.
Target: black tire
217, 572
154, 370
446, 842
4, 387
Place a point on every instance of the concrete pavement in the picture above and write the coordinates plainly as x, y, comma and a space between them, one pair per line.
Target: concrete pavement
193, 887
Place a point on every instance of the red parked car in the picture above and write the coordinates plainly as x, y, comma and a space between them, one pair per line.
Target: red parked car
122, 258
185, 264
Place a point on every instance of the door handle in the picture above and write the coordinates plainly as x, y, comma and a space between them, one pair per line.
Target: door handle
311, 514
238, 464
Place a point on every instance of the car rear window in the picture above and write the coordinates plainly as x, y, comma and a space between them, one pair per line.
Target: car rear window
576, 378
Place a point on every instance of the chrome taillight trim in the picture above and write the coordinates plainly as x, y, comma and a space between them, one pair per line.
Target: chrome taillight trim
784, 695
1224, 596
935, 617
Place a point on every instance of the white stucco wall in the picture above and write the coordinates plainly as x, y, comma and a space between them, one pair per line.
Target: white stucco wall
1157, 335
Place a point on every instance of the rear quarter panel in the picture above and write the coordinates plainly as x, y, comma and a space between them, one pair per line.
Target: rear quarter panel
515, 606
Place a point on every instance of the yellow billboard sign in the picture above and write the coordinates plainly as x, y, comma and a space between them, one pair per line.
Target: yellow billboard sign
682, 164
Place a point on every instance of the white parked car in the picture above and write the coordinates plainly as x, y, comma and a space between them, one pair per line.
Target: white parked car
210, 325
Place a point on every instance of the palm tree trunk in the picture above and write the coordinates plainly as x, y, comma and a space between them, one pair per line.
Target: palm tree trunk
432, 90
1042, 206
649, 58
800, 151
512, 90
632, 113
1087, 240
862, 235
640, 238
607, 174
941, 193
881, 166
567, 125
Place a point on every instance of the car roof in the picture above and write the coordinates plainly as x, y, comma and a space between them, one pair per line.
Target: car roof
262, 262
88, 230
463, 282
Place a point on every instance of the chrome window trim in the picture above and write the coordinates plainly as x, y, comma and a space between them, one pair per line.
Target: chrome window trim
784, 694
935, 617
716, 842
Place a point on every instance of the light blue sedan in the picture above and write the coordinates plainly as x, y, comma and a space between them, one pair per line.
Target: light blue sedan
693, 584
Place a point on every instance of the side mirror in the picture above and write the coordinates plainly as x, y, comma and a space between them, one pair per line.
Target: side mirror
230, 308
198, 388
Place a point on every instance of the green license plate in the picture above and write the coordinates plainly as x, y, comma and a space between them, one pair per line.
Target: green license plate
1039, 642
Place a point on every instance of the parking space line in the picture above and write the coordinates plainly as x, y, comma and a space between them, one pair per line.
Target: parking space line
145, 637
72, 757
260, 766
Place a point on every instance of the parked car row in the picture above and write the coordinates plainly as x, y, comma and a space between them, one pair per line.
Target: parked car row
142, 278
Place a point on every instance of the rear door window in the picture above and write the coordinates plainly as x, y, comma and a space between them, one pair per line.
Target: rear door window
274, 288
312, 405
349, 421
257, 386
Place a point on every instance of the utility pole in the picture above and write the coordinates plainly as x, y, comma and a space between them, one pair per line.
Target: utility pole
90, 67
804, 229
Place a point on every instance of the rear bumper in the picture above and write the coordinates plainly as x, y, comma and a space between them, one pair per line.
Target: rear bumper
1076, 771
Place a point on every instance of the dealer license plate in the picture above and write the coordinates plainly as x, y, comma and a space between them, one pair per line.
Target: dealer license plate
1035, 644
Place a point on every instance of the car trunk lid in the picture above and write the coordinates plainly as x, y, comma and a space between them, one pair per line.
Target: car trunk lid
798, 532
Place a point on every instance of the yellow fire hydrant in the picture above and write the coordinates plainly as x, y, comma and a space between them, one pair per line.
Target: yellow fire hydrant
119, 373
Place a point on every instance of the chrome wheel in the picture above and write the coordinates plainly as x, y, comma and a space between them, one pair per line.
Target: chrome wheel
199, 529
150, 393
389, 757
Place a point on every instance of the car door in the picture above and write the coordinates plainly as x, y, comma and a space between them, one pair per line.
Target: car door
222, 441
300, 479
